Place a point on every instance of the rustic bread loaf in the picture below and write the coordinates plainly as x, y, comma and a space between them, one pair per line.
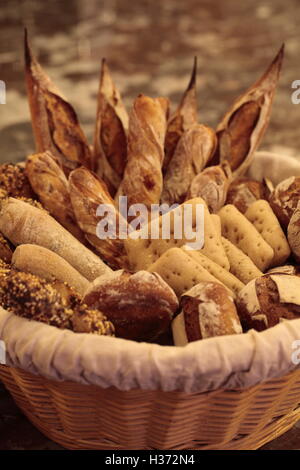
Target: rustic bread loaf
207, 310
267, 300
284, 199
243, 192
141, 305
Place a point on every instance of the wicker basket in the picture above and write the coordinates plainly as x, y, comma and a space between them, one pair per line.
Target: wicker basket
88, 417
248, 394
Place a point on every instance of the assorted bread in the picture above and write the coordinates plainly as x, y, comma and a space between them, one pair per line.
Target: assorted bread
228, 261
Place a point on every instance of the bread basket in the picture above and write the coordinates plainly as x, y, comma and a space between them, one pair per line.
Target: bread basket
92, 392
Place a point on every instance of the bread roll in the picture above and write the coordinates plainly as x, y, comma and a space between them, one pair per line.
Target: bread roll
142, 181
293, 232
243, 192
29, 297
23, 224
284, 199
206, 311
141, 305
267, 300
212, 185
48, 265
193, 151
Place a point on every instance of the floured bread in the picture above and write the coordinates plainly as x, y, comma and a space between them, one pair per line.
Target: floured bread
237, 229
206, 311
266, 223
268, 300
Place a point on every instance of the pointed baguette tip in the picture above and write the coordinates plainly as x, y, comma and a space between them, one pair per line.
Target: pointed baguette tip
192, 82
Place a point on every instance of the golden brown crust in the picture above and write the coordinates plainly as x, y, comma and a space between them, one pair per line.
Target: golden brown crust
259, 303
6, 252
54, 121
86, 320
110, 138
14, 182
284, 199
243, 192
142, 182
193, 151
87, 193
140, 305
209, 311
183, 119
51, 185
242, 128
212, 185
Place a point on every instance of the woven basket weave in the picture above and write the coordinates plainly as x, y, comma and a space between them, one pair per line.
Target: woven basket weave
88, 417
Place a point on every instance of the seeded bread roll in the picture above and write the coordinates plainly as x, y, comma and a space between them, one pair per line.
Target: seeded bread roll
207, 310
240, 264
141, 305
29, 297
14, 182
284, 199
48, 265
266, 223
237, 229
22, 223
243, 192
268, 300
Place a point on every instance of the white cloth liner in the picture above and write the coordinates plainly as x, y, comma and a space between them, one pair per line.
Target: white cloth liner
236, 361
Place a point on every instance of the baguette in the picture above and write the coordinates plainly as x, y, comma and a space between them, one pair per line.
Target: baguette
193, 151
51, 185
142, 182
22, 223
87, 194
110, 138
47, 265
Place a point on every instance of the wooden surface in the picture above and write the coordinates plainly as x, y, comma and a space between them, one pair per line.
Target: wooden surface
150, 47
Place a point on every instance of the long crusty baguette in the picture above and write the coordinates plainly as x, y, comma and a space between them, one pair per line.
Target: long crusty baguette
88, 193
48, 265
51, 185
22, 223
142, 181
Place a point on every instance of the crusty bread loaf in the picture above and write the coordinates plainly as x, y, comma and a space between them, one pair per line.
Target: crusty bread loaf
243, 192
194, 149
48, 265
212, 185
22, 223
141, 305
284, 199
267, 300
293, 232
207, 310
51, 185
237, 229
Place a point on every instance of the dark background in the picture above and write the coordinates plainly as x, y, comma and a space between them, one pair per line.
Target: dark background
149, 46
